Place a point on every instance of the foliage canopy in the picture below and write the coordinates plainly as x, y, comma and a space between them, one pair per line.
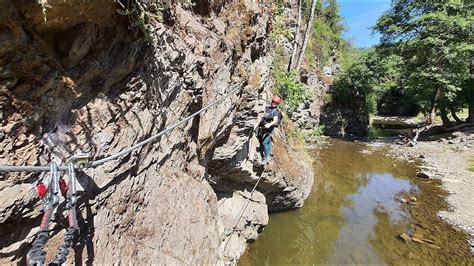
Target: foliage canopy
435, 41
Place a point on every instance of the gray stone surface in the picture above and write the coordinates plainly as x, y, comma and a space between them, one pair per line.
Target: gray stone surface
83, 81
242, 217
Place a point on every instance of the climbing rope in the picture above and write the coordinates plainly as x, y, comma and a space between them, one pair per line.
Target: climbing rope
244, 208
61, 256
22, 168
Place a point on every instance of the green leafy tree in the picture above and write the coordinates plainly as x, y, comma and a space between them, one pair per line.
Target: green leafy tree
325, 40
354, 86
332, 16
368, 76
436, 44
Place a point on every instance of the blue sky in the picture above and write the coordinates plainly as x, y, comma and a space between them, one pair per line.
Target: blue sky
359, 16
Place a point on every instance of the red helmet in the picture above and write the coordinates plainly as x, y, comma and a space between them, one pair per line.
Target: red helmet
276, 99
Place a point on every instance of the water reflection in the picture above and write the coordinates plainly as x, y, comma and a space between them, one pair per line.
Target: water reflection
352, 244
338, 222
354, 215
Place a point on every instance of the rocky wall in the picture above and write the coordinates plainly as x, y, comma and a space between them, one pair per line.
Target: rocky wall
81, 77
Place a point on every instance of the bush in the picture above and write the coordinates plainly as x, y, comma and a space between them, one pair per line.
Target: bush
290, 89
322, 44
317, 131
280, 30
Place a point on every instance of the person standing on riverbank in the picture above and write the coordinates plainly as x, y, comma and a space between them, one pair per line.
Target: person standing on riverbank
415, 133
270, 120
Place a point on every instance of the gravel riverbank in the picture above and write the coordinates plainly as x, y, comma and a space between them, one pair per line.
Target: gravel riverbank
448, 159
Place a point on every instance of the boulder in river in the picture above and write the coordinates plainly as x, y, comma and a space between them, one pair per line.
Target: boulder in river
405, 237
423, 175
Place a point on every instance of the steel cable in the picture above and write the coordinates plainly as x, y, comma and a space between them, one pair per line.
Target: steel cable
25, 168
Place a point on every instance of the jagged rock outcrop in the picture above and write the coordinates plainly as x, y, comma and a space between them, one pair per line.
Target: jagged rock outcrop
337, 118
240, 223
285, 183
346, 118
307, 115
320, 110
80, 78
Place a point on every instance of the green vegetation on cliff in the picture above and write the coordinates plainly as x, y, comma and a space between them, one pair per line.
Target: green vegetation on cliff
325, 42
326, 34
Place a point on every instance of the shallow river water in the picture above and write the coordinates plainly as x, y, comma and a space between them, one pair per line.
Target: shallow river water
360, 212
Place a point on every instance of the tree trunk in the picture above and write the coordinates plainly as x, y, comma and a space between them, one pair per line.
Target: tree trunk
307, 33
470, 118
445, 118
455, 116
297, 34
443, 111
432, 114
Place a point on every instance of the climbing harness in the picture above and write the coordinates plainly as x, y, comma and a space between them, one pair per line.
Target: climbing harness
50, 193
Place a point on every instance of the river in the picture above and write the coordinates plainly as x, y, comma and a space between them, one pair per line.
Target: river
365, 208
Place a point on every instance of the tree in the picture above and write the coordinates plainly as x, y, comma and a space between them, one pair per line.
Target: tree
307, 34
331, 15
369, 77
296, 39
434, 39
325, 41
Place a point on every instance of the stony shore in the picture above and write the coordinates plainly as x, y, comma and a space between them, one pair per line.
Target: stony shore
447, 159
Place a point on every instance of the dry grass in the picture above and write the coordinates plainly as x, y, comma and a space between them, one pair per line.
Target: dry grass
286, 153
291, 132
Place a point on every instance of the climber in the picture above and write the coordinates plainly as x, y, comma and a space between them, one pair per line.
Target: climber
270, 120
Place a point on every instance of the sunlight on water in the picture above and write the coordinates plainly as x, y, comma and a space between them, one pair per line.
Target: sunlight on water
353, 215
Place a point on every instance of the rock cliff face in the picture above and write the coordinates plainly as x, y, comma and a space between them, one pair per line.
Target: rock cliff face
338, 118
320, 110
81, 77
